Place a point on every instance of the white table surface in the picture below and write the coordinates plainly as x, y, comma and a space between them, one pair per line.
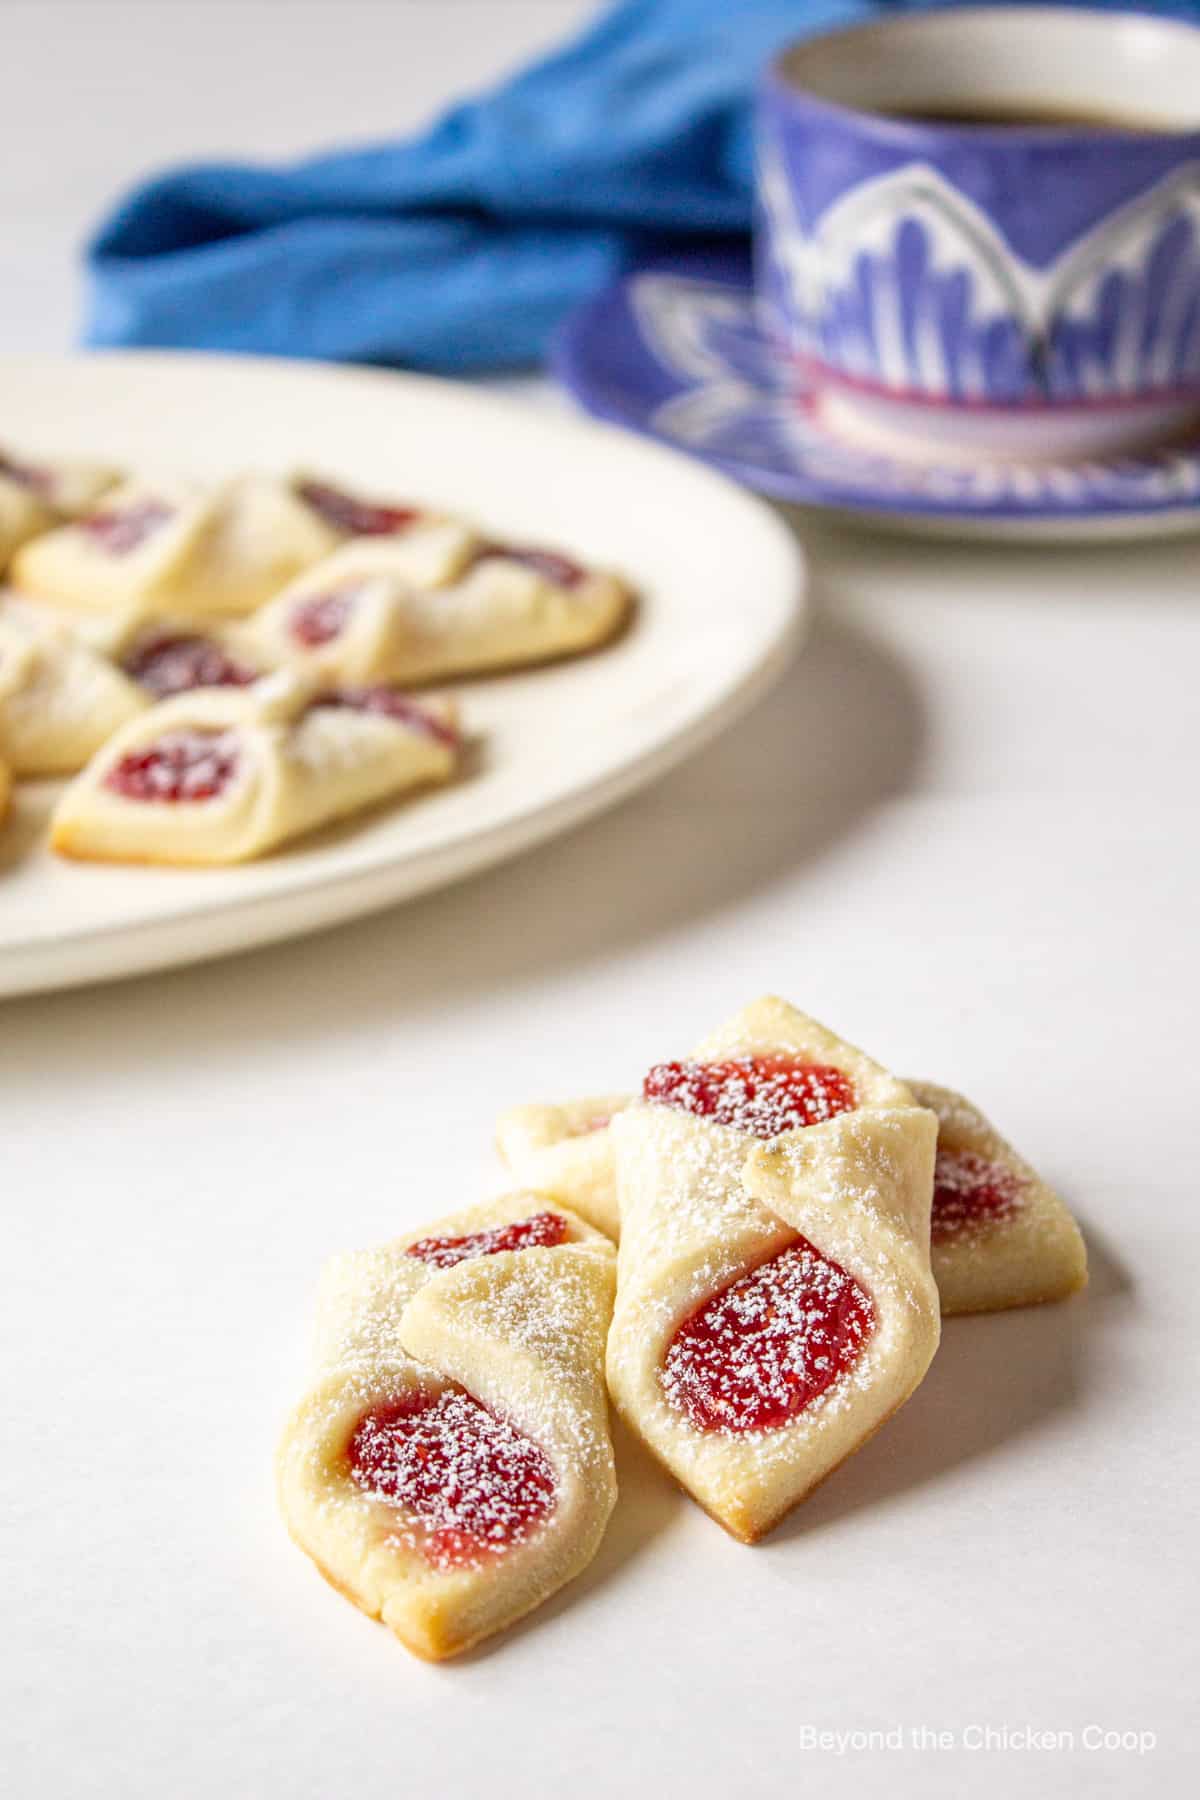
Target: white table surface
963, 832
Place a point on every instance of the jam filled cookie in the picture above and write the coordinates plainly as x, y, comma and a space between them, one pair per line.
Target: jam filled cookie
371, 613
219, 775
35, 495
775, 1303
566, 1150
59, 700
450, 1467
22, 516
413, 542
65, 487
177, 547
1000, 1236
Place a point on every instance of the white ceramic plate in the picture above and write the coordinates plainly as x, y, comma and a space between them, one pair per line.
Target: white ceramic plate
722, 581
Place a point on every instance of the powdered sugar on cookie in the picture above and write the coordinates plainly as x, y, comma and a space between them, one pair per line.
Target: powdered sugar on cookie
470, 1484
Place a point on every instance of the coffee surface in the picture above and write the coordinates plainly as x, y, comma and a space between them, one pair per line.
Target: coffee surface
1029, 117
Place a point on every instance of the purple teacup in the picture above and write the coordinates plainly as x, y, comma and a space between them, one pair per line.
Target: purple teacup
979, 229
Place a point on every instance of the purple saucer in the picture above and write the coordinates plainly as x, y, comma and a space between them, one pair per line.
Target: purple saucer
677, 353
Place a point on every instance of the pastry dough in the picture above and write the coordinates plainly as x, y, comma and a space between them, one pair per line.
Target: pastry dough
5, 790
22, 516
59, 700
35, 495
775, 1303
219, 775
450, 1466
177, 547
438, 601
566, 1150
66, 487
1000, 1236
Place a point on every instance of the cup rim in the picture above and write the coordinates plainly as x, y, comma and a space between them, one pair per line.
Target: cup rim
896, 128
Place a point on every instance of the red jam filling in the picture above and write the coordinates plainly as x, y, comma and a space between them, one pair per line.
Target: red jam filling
473, 1484
764, 1348
357, 518
559, 570
390, 703
119, 532
320, 620
180, 765
540, 1231
969, 1193
174, 665
762, 1095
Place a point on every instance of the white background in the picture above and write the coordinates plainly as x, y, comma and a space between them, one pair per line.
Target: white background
963, 832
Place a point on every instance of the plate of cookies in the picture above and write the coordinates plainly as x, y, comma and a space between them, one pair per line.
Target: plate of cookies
281, 644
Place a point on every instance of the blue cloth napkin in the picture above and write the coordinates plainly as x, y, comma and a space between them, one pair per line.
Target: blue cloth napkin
463, 248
